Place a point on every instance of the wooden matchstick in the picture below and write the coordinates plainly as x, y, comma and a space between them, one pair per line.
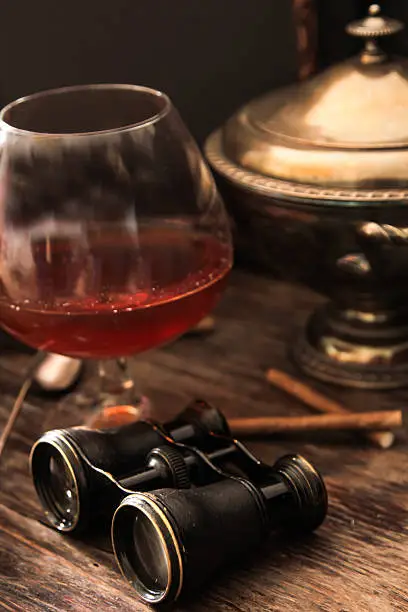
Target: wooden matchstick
321, 403
354, 421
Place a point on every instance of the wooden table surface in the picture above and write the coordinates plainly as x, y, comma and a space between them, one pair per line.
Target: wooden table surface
356, 562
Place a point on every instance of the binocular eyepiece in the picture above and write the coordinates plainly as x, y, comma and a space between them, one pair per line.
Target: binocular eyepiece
185, 497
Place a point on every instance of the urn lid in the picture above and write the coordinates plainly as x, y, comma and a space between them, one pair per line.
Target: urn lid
340, 135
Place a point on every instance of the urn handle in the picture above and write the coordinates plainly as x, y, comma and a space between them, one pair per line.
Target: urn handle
383, 234
381, 254
370, 29
383, 247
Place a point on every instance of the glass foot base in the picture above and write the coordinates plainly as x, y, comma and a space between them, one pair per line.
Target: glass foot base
111, 398
115, 416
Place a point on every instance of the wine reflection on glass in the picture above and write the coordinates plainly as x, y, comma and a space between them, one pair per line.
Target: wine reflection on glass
113, 237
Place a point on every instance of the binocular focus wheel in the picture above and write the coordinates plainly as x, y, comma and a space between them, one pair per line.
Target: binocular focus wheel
175, 463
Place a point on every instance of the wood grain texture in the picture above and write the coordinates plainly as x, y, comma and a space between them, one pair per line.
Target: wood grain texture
357, 560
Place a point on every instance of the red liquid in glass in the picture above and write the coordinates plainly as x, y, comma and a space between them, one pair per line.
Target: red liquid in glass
114, 297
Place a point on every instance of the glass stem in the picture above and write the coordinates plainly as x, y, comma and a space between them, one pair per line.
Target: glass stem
118, 401
116, 386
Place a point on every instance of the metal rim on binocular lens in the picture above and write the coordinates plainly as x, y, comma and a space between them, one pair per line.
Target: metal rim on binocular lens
147, 550
58, 486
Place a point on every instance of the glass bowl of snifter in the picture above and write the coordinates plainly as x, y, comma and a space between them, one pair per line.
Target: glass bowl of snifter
180, 499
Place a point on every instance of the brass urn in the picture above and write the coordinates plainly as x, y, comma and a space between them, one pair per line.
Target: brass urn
316, 178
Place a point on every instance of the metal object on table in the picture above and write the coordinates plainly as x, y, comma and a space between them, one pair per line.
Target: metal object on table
203, 327
57, 373
308, 172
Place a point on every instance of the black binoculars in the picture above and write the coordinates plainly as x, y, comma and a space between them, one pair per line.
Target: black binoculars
187, 500
78, 472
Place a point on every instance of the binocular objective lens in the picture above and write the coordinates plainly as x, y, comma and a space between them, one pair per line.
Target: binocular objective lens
142, 552
56, 487
62, 488
149, 558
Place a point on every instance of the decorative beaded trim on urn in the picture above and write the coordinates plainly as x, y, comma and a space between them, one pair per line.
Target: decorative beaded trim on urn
277, 187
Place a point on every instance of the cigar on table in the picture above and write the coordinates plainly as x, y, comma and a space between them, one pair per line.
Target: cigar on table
317, 401
353, 421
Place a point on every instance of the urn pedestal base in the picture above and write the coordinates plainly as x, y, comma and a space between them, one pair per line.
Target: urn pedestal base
364, 350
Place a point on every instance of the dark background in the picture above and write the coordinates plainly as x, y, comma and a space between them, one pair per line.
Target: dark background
209, 55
